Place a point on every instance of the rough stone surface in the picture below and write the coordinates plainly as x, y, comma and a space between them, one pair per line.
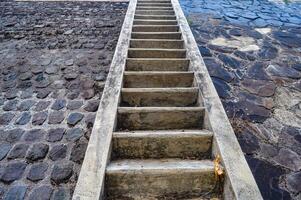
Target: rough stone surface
252, 52
61, 173
54, 56
37, 171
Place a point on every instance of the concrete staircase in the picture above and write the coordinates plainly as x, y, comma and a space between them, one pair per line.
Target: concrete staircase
160, 149
160, 123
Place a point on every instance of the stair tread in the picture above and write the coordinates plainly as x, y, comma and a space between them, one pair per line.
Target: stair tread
161, 165
159, 40
155, 72
170, 90
163, 133
157, 109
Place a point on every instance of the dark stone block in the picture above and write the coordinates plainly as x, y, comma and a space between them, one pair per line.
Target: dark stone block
37, 152
56, 117
78, 151
19, 151
37, 171
13, 171
55, 135
61, 173
23, 119
34, 135
42, 193
6, 118
74, 134
216, 70
92, 106
16, 193
39, 118
74, 118
58, 152
14, 135
58, 104
4, 149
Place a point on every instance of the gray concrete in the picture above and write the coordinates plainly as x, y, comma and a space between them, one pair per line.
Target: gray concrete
143, 179
193, 144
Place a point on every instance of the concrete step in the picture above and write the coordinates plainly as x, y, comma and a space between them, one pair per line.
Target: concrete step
155, 28
161, 17
156, 53
154, 8
151, 1
156, 35
155, 22
176, 97
192, 144
157, 79
159, 118
156, 64
154, 12
154, 4
159, 179
157, 43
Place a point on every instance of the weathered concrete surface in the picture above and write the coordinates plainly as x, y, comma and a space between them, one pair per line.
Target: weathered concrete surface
159, 178
54, 59
151, 64
158, 118
168, 97
158, 79
193, 144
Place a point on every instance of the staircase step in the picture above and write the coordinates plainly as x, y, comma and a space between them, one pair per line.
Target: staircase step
151, 1
192, 144
154, 12
156, 35
162, 17
155, 64
154, 4
155, 22
155, 28
157, 43
160, 179
154, 8
157, 79
159, 97
160, 118
156, 53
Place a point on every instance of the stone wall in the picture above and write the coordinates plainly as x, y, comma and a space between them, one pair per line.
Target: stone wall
256, 70
54, 59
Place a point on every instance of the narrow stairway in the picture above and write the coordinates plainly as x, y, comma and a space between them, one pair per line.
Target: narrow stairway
160, 149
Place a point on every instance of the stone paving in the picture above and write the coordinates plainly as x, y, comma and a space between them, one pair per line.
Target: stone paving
257, 73
54, 58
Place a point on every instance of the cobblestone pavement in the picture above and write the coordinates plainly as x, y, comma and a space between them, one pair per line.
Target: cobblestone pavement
257, 72
54, 58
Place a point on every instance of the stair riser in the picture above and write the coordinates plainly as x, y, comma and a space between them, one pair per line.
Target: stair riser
158, 17
158, 99
158, 80
157, 44
155, 22
157, 65
171, 185
162, 147
144, 35
149, 53
164, 120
